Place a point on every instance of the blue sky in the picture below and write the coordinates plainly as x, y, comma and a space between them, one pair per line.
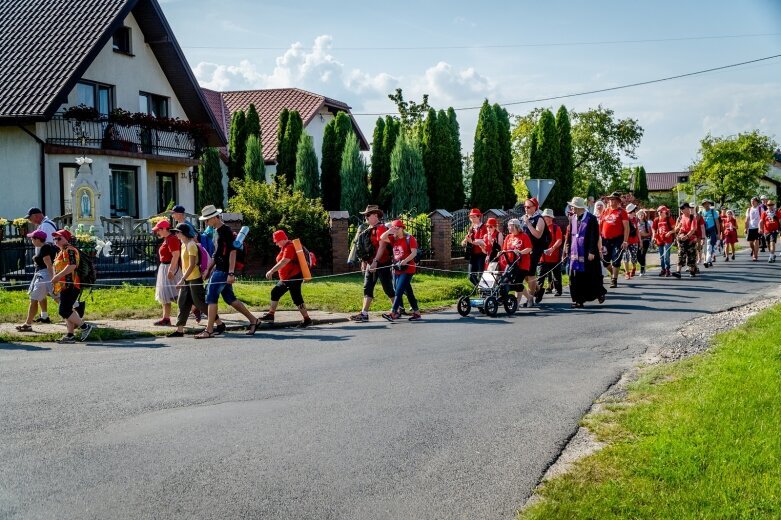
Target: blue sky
513, 52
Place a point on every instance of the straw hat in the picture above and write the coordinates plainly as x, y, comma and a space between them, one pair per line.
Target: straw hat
578, 202
547, 213
208, 212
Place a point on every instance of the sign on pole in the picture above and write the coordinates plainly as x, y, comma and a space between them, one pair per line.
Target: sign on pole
540, 188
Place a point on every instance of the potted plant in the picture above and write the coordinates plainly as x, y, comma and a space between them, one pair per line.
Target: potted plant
21, 224
3, 224
81, 113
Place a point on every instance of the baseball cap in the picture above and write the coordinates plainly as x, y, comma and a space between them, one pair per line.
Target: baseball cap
33, 211
178, 209
40, 235
163, 224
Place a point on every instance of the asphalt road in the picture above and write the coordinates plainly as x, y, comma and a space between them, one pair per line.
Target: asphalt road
445, 418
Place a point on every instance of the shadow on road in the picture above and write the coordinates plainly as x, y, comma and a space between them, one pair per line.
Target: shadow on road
16, 346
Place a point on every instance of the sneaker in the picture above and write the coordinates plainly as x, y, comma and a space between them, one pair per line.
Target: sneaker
668, 274
360, 317
677, 275
403, 312
548, 291
220, 329
706, 265
613, 283
86, 330
733, 256
691, 275
42, 320
165, 322
663, 272
391, 316
269, 316
415, 316
304, 323
538, 295
67, 339
557, 294
175, 334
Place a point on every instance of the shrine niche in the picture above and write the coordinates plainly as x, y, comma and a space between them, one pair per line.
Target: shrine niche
85, 197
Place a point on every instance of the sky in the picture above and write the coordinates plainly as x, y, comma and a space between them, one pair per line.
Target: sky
461, 53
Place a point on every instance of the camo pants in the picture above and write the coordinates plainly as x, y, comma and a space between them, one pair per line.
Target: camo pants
687, 254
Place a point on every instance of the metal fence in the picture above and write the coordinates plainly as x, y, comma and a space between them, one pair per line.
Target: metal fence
458, 231
419, 227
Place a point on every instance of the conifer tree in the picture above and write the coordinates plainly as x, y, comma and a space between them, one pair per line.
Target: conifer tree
307, 174
562, 192
254, 166
407, 187
641, 184
252, 123
505, 156
210, 179
547, 153
282, 157
455, 161
380, 161
392, 130
434, 165
237, 146
290, 146
486, 185
354, 175
330, 184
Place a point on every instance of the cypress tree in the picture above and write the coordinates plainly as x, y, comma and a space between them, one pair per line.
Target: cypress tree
290, 146
407, 187
455, 161
379, 161
433, 163
547, 150
282, 157
254, 167
392, 130
252, 123
307, 175
534, 161
342, 127
330, 183
354, 175
486, 185
237, 146
563, 191
641, 184
505, 156
210, 179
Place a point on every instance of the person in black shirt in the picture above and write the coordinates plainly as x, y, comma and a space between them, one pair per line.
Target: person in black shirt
221, 276
41, 285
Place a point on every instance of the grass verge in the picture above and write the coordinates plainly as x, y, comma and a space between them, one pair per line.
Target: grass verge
99, 334
694, 439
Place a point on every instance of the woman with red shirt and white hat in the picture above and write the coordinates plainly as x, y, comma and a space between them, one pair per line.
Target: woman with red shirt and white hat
168, 273
289, 279
473, 243
405, 248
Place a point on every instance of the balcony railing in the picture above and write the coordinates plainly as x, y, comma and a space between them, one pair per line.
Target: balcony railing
107, 135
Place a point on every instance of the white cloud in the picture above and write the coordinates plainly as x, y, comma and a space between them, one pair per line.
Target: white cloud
444, 84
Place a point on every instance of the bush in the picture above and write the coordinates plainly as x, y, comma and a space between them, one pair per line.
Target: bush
268, 207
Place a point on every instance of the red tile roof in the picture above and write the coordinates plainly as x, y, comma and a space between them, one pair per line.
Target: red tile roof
663, 181
269, 103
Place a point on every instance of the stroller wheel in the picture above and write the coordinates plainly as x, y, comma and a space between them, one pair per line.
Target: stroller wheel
464, 306
491, 306
510, 304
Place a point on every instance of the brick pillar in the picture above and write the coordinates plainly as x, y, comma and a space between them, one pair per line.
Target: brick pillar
340, 242
441, 232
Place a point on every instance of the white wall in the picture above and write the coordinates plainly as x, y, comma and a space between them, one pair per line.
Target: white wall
20, 173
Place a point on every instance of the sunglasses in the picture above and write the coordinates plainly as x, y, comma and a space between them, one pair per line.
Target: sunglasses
57, 239
529, 207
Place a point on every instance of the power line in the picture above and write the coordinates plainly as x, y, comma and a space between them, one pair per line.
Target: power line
630, 85
498, 46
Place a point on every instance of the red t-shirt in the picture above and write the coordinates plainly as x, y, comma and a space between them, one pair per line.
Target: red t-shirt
477, 234
489, 239
769, 221
730, 225
555, 235
169, 245
291, 269
662, 226
700, 223
613, 223
687, 224
517, 242
376, 233
634, 239
402, 249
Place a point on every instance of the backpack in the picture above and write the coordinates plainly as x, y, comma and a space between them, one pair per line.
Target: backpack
364, 247
86, 270
206, 243
203, 258
632, 229
311, 259
241, 255
418, 253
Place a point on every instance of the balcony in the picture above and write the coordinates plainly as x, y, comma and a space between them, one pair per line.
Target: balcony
123, 138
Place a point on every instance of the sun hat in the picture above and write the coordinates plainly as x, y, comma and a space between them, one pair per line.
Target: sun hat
184, 229
397, 224
279, 236
178, 209
491, 222
771, 203
514, 222
475, 212
547, 213
763, 197
372, 208
38, 234
578, 202
33, 211
615, 195
63, 233
208, 212
631, 207
163, 224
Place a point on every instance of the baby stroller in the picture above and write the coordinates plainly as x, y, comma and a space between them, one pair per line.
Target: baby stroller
491, 291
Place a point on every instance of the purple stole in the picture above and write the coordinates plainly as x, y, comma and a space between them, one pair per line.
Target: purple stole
577, 257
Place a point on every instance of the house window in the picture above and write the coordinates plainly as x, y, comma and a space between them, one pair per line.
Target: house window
124, 191
95, 95
121, 41
166, 190
67, 176
153, 104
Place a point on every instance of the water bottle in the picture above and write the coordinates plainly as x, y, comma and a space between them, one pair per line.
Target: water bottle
243, 232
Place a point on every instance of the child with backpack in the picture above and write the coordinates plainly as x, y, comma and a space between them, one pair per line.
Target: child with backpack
405, 254
67, 282
289, 279
195, 261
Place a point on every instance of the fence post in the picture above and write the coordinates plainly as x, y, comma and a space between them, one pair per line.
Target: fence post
127, 226
498, 214
441, 232
340, 241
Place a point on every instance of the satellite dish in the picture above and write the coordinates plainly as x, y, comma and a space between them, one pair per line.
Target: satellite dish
540, 188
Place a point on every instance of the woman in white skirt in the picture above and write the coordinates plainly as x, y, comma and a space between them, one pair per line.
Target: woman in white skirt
168, 273
41, 285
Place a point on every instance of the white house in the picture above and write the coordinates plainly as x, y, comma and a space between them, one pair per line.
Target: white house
106, 55
316, 111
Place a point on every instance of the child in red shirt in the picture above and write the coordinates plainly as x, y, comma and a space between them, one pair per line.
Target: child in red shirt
405, 248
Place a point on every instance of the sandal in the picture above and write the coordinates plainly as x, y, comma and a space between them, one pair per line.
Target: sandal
24, 328
205, 334
252, 328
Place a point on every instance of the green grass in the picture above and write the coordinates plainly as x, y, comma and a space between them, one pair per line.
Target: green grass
99, 334
344, 294
697, 439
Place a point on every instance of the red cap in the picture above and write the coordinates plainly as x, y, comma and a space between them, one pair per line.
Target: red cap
64, 233
163, 224
476, 212
279, 236
397, 224
491, 222
40, 235
533, 200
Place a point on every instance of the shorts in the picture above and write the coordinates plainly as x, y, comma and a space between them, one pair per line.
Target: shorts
218, 285
614, 253
294, 286
772, 236
753, 234
535, 256
40, 286
68, 297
